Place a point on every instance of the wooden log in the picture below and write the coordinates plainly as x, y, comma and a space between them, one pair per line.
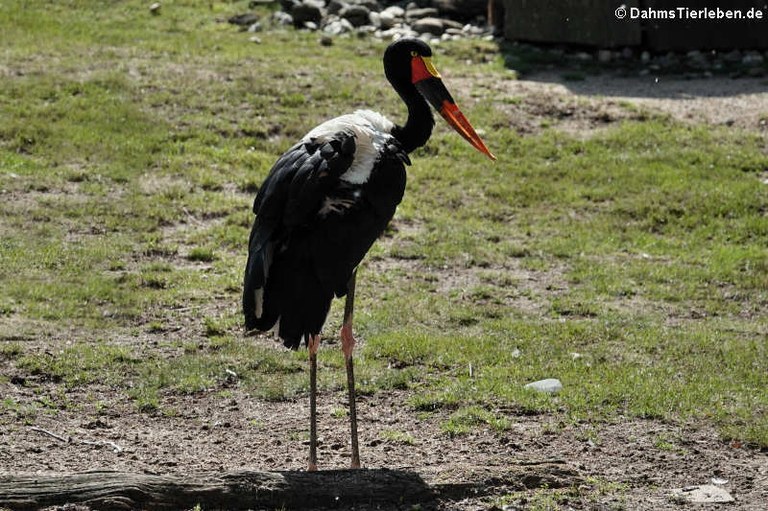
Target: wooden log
104, 490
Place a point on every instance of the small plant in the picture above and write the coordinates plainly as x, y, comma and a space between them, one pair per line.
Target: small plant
201, 254
463, 420
397, 437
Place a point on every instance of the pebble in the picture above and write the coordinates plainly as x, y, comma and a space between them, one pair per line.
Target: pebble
244, 20
432, 26
550, 385
752, 59
426, 12
282, 18
155, 8
386, 20
306, 11
358, 15
583, 56
335, 6
395, 10
604, 56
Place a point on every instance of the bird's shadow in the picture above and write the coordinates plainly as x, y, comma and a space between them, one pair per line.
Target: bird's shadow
340, 489
395, 489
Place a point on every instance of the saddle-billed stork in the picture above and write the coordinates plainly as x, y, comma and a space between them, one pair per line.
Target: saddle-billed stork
324, 203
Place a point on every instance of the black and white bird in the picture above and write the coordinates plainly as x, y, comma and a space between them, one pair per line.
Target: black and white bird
324, 203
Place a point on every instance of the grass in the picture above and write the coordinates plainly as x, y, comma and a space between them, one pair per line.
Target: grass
131, 147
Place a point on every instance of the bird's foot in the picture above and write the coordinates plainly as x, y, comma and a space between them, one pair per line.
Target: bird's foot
312, 467
347, 340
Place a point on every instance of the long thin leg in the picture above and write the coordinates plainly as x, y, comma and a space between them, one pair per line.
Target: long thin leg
347, 346
313, 342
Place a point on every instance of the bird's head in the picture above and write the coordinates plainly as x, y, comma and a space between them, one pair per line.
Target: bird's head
408, 63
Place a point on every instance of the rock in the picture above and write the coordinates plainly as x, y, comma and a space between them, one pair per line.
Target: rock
416, 14
335, 6
396, 33
255, 39
583, 56
395, 10
432, 26
326, 40
669, 60
386, 20
244, 20
604, 56
464, 10
627, 53
282, 18
645, 57
372, 5
704, 494
306, 11
338, 26
697, 59
310, 25
358, 15
451, 24
154, 9
472, 29
752, 58
733, 56
256, 27
550, 385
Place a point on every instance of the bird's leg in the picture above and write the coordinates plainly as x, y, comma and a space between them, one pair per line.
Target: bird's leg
347, 346
313, 343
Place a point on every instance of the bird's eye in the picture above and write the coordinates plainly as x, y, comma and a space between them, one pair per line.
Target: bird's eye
414, 54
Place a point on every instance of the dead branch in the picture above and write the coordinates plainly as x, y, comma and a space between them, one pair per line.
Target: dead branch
234, 490
66, 440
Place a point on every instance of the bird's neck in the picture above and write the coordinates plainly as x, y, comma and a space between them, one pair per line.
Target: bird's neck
418, 127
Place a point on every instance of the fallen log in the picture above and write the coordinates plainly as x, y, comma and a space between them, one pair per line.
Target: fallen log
105, 490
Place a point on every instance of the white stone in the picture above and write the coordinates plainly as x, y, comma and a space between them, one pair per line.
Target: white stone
394, 10
704, 494
551, 385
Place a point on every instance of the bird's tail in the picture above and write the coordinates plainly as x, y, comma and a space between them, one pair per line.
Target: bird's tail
284, 291
254, 283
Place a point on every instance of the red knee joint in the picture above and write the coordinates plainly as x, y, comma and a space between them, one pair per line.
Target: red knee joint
347, 340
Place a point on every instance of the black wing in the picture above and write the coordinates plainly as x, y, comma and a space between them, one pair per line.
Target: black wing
302, 251
291, 194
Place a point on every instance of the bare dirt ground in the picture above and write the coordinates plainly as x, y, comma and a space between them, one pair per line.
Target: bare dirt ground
582, 106
628, 464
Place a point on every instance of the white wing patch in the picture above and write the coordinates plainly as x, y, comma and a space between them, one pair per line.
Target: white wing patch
372, 131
